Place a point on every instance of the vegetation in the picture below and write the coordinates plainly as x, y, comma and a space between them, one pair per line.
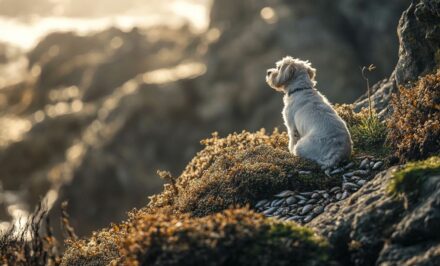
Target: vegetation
367, 131
191, 222
231, 237
32, 245
410, 179
238, 170
415, 123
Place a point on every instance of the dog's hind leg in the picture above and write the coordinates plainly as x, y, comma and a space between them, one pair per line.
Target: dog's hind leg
307, 148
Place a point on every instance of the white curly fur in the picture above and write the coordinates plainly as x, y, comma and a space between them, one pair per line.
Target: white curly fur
316, 131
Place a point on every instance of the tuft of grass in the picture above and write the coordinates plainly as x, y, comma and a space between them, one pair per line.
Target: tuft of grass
410, 179
231, 237
367, 131
369, 135
414, 127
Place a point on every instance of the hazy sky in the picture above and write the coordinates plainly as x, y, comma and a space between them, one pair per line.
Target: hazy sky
23, 23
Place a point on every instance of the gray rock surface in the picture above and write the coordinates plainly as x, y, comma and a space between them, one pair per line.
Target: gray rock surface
419, 52
371, 227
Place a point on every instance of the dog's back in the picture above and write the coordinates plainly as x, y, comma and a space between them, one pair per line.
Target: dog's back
324, 136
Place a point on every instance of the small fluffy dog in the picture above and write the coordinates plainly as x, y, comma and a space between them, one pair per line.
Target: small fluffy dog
316, 131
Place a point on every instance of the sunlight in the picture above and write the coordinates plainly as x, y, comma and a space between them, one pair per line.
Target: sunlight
27, 33
189, 70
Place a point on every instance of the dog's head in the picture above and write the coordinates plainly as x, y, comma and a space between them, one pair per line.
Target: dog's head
287, 70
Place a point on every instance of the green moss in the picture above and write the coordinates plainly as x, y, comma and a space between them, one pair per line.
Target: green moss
409, 180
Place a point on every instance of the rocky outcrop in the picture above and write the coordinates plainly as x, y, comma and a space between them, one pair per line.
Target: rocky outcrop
375, 226
419, 36
419, 52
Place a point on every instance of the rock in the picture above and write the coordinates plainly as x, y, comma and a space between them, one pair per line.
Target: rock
418, 53
261, 203
377, 165
306, 209
286, 193
379, 229
419, 41
364, 163
291, 200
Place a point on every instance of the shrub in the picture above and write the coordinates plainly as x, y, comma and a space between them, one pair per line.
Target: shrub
415, 123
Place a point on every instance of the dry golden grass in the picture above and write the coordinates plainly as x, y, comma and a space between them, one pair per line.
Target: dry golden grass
231, 237
237, 170
415, 124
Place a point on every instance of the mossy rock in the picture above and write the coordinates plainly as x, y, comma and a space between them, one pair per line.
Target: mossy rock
410, 180
238, 170
231, 237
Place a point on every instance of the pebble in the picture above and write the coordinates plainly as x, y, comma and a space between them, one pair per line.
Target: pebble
300, 197
361, 172
361, 182
261, 203
306, 194
364, 163
315, 195
285, 193
308, 218
349, 165
304, 172
337, 171
302, 202
349, 186
270, 211
355, 178
294, 218
312, 201
306, 209
318, 209
277, 203
291, 200
334, 189
377, 165
338, 196
349, 174
344, 195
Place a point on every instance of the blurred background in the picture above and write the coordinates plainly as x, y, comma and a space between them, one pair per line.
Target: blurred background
95, 96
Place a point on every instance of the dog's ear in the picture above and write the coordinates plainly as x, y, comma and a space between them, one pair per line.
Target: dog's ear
286, 73
312, 72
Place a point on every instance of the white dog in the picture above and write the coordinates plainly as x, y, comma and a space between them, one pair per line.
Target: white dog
316, 131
